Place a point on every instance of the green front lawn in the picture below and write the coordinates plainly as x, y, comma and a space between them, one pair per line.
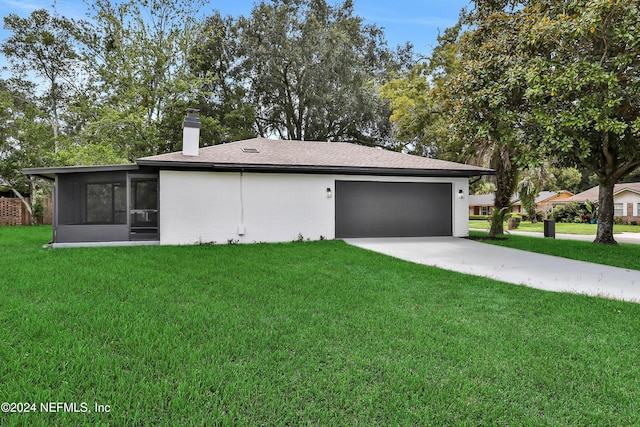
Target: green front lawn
624, 255
314, 333
561, 227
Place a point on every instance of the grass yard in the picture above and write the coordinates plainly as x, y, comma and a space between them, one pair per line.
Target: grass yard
313, 333
625, 255
561, 227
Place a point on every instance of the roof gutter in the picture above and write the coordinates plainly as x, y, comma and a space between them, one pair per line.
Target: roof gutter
348, 170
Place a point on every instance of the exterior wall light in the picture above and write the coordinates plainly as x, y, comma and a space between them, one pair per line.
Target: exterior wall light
329, 193
460, 194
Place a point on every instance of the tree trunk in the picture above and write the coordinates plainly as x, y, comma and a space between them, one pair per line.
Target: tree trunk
497, 222
506, 179
604, 234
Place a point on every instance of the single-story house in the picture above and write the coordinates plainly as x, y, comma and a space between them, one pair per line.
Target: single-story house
482, 204
546, 199
626, 200
259, 190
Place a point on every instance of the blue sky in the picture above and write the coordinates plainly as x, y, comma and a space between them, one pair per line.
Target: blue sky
417, 21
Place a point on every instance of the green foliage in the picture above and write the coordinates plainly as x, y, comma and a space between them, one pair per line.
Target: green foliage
550, 80
419, 111
479, 217
312, 72
26, 139
138, 54
116, 85
574, 212
37, 206
485, 98
528, 190
497, 218
568, 179
483, 186
43, 44
222, 94
583, 81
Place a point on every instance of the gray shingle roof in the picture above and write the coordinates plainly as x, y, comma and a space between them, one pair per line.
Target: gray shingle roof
310, 156
482, 199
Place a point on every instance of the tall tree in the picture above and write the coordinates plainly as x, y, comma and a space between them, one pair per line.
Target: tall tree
585, 82
139, 53
222, 96
486, 97
419, 111
26, 139
312, 71
42, 44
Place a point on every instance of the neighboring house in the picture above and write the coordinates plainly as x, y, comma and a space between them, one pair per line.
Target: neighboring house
546, 200
626, 200
482, 204
260, 190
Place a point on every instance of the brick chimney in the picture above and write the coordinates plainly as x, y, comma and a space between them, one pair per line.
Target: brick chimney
191, 133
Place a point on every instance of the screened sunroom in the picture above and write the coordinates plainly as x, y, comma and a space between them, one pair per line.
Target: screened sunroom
104, 204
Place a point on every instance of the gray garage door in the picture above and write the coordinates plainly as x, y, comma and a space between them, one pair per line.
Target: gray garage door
393, 209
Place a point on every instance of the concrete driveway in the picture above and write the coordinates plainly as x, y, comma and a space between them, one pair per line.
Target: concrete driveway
511, 265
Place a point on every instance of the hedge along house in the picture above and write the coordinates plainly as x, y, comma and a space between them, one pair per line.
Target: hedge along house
259, 190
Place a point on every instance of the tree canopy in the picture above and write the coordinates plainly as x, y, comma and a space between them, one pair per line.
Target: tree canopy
543, 80
115, 87
314, 76
584, 83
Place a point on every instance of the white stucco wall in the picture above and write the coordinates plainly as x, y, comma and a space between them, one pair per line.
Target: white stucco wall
254, 207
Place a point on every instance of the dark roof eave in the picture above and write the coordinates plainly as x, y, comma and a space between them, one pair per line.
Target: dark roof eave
50, 173
348, 170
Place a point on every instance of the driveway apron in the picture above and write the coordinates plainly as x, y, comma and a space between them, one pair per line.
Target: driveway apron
511, 265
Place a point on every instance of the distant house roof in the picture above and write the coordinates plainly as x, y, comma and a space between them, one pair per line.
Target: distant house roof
312, 157
593, 193
488, 199
545, 195
481, 199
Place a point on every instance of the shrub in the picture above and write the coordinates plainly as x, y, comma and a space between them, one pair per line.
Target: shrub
514, 221
539, 216
574, 212
38, 207
517, 218
478, 217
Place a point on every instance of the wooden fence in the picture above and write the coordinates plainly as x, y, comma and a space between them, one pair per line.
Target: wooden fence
13, 212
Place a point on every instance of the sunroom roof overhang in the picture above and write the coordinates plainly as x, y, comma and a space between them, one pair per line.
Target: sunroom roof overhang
50, 173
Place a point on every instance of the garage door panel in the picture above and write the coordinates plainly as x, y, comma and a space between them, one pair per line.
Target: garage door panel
393, 209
